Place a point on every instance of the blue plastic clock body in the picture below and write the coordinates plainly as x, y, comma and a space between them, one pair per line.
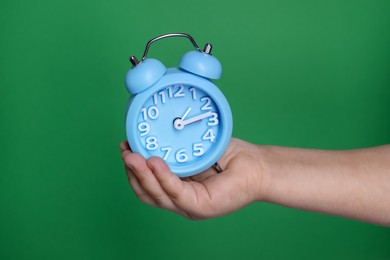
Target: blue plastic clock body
178, 114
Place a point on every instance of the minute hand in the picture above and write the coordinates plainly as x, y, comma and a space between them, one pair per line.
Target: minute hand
196, 118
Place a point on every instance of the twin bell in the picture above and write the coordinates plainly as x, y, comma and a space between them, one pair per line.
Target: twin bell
147, 72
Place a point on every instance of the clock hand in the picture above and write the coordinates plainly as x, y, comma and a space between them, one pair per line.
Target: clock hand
186, 113
179, 123
196, 118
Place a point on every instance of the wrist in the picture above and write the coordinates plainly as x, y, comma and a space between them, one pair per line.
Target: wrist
254, 168
264, 176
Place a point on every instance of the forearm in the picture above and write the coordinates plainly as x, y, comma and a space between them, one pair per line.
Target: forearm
353, 184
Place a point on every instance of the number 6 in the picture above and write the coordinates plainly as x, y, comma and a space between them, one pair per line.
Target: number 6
181, 156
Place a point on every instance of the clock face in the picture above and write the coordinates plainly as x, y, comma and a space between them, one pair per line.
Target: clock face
180, 124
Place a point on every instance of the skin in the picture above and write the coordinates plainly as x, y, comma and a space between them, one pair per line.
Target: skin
352, 183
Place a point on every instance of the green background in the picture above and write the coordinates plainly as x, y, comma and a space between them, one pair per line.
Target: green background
296, 73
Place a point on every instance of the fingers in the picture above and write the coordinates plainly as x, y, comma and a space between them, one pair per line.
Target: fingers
124, 146
145, 184
183, 194
155, 184
125, 153
168, 181
141, 194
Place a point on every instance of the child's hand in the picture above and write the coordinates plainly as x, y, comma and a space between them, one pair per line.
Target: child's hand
205, 195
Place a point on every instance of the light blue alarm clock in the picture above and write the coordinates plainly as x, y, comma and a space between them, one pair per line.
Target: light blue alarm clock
178, 114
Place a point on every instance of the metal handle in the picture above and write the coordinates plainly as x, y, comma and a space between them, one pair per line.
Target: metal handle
207, 47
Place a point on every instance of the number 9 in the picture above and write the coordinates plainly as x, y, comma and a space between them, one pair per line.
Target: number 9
144, 128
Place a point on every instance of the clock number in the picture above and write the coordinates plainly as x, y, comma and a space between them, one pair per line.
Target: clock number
193, 91
206, 106
170, 93
152, 112
151, 143
144, 113
161, 94
167, 151
144, 128
179, 92
213, 120
181, 156
198, 149
209, 135
155, 98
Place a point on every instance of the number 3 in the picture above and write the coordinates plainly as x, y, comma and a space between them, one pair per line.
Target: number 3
213, 120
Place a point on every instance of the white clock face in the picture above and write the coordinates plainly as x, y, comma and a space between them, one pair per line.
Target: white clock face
180, 124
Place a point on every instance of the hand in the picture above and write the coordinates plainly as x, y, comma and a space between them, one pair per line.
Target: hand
205, 195
351, 183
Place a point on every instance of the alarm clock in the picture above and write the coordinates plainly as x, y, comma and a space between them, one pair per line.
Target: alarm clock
178, 114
